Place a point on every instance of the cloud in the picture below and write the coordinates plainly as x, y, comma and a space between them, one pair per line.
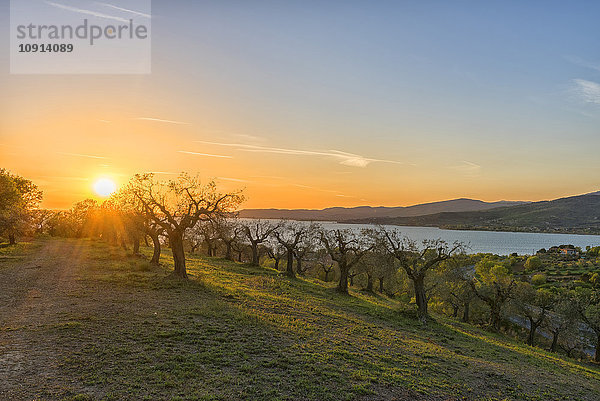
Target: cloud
86, 12
162, 172
347, 159
204, 154
126, 10
583, 63
232, 179
81, 155
160, 120
467, 168
587, 91
251, 138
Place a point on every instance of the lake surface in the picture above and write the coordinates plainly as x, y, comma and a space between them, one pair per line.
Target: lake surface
501, 243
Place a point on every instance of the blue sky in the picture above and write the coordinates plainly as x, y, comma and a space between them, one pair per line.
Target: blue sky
492, 100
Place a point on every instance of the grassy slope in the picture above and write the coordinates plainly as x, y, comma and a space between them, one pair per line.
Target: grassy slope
240, 332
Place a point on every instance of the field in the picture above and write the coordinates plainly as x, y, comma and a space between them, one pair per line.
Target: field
80, 320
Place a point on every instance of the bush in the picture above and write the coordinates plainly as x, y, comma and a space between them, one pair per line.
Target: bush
538, 279
533, 263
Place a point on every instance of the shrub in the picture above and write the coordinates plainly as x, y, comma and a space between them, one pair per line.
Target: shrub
533, 263
538, 279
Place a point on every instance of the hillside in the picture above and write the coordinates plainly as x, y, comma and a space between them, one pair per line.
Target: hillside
80, 320
361, 212
576, 214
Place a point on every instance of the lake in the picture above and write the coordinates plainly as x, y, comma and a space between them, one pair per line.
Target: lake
501, 243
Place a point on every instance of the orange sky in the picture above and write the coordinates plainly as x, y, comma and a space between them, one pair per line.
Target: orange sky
304, 110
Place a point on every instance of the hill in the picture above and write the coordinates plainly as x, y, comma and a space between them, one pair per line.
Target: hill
362, 212
575, 214
80, 320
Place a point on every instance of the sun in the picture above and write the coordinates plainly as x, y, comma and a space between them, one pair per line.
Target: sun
105, 187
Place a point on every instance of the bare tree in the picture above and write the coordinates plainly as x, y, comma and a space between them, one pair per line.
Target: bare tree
534, 304
229, 232
178, 205
417, 261
302, 252
206, 232
562, 317
289, 235
276, 251
346, 248
257, 232
325, 262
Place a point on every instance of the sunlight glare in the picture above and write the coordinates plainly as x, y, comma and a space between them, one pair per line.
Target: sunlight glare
105, 187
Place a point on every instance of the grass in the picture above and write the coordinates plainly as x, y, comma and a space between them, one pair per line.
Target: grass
237, 332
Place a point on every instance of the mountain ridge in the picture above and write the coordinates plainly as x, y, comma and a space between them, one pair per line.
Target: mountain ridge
574, 214
343, 213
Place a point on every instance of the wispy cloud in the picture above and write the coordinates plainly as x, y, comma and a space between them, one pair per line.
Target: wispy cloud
468, 168
86, 12
583, 63
587, 91
105, 121
126, 10
204, 154
345, 158
162, 172
160, 120
82, 155
251, 138
232, 179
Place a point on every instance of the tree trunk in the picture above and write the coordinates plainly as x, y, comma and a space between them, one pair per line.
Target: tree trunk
466, 308
276, 264
597, 353
146, 240
176, 240
455, 311
12, 240
532, 330
351, 279
420, 297
156, 254
228, 253
370, 282
343, 284
381, 285
327, 276
554, 341
495, 317
290, 263
255, 256
299, 266
136, 245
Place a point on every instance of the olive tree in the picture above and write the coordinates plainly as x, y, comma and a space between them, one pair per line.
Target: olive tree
417, 260
494, 285
19, 198
346, 248
257, 232
178, 205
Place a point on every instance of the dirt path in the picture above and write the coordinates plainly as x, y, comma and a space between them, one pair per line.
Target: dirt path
34, 296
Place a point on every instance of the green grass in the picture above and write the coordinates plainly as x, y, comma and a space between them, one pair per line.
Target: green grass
237, 332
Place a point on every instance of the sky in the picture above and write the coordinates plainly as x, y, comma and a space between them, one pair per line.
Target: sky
312, 104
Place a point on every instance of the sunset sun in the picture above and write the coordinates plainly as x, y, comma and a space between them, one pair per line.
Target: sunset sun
104, 187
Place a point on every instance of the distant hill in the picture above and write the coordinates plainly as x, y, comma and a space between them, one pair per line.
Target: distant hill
368, 212
575, 214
